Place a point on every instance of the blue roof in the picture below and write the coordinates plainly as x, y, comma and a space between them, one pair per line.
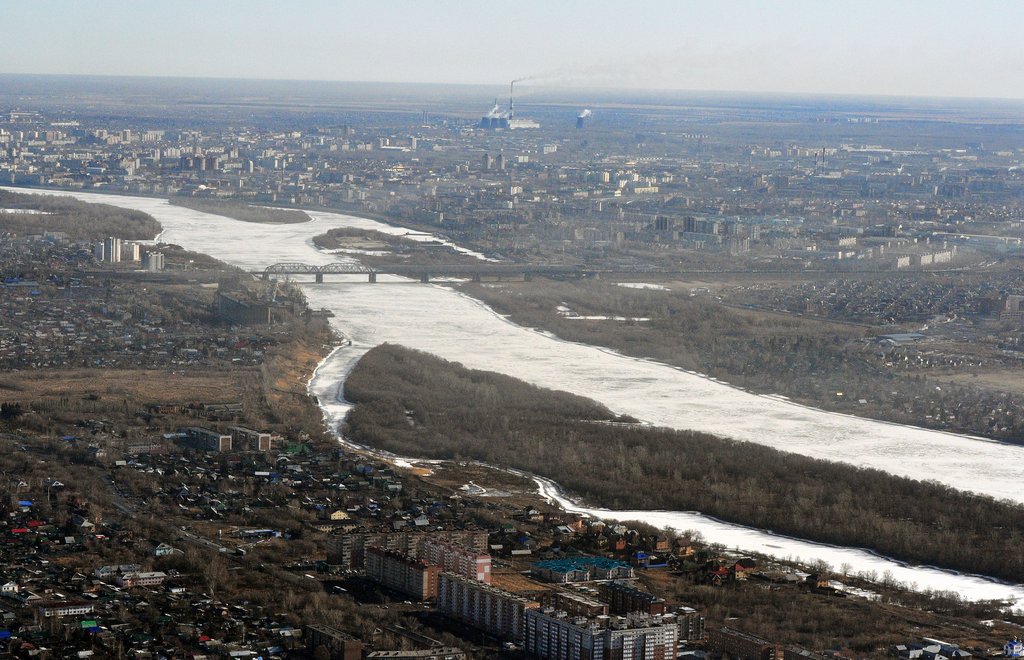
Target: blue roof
580, 564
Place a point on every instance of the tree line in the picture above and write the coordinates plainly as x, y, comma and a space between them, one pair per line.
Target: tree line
81, 221
243, 212
415, 404
806, 360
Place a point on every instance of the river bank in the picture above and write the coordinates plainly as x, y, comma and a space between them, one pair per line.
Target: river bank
443, 322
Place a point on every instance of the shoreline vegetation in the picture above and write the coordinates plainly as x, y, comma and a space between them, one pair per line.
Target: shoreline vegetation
415, 404
242, 211
78, 220
817, 363
380, 250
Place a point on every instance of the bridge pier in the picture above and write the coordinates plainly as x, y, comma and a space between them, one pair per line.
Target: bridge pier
500, 272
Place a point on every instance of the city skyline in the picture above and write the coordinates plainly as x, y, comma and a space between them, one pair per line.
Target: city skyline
914, 48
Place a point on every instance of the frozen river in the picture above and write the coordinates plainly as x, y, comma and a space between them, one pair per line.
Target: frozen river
446, 323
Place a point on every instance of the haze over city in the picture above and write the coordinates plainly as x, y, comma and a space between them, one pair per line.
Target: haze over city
535, 330
917, 47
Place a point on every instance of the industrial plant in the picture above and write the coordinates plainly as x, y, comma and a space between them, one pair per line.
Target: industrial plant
497, 119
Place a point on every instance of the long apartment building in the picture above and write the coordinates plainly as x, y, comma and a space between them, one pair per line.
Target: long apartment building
557, 635
413, 577
339, 644
243, 438
206, 439
582, 569
64, 608
454, 558
140, 579
482, 606
624, 598
349, 550
734, 643
574, 604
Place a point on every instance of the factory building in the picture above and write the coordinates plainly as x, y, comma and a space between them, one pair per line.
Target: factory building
497, 119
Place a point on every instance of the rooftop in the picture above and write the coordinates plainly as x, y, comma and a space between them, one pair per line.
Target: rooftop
580, 563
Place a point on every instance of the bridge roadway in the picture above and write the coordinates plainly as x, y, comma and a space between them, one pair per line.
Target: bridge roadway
527, 271
474, 271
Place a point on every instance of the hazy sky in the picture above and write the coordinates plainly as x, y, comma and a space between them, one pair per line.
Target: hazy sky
904, 47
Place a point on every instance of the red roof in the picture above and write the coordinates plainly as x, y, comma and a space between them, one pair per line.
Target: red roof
20, 530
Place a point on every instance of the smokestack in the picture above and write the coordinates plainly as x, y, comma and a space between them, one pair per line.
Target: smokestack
511, 94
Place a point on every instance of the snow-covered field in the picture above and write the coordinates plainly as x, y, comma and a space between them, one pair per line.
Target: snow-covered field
439, 320
642, 285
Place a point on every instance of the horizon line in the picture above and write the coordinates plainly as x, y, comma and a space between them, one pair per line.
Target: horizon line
662, 90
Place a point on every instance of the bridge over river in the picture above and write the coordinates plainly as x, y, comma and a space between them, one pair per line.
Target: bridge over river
476, 272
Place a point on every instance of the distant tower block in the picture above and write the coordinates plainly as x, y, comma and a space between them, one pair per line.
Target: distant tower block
153, 261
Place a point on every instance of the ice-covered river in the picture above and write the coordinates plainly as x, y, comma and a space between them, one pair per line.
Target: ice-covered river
439, 320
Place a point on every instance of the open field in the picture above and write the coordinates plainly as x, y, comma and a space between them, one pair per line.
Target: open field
1004, 380
141, 386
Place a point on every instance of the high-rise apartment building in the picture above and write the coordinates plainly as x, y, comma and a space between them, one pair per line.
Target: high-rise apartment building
554, 634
